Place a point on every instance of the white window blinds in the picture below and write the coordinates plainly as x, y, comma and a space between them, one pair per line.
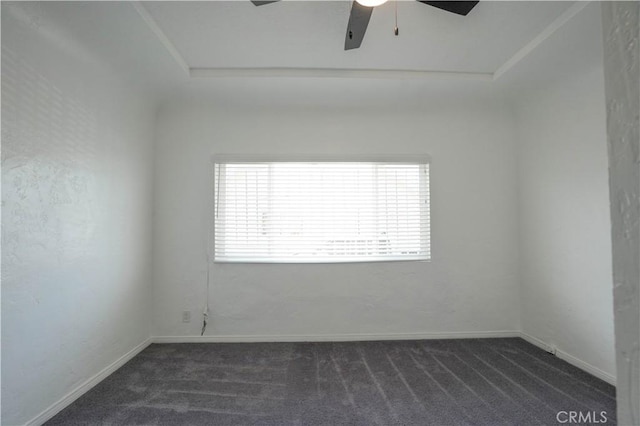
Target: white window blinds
321, 211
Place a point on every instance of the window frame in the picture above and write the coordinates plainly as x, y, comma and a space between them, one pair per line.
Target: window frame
414, 159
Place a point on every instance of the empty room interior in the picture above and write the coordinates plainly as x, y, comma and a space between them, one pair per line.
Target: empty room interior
320, 213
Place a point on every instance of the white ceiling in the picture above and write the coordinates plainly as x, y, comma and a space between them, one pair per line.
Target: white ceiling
573, 48
310, 34
110, 33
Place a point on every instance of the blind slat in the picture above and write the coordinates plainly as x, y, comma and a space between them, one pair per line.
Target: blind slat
321, 212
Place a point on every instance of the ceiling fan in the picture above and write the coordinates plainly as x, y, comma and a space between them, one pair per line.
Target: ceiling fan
361, 13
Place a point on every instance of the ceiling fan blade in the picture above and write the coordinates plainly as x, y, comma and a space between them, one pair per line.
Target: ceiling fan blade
262, 2
457, 7
357, 26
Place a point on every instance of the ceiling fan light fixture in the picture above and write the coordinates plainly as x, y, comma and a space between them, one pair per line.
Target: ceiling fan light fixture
371, 3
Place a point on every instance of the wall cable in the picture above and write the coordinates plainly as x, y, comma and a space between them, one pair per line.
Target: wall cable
205, 312
395, 28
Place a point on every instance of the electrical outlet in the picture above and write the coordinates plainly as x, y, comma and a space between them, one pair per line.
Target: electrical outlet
186, 316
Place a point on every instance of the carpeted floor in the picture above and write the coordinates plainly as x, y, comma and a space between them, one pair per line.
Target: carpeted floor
434, 382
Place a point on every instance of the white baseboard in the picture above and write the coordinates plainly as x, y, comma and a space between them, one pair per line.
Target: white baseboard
391, 336
577, 362
353, 337
86, 386
90, 383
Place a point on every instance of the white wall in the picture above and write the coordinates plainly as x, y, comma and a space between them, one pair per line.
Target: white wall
77, 205
565, 248
621, 30
470, 284
76, 208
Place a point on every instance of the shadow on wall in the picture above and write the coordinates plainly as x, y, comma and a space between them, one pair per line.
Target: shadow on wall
48, 158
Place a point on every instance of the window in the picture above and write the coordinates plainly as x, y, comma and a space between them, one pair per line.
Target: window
321, 211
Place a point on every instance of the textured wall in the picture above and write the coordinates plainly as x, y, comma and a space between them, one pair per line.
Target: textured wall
76, 208
565, 255
470, 284
621, 30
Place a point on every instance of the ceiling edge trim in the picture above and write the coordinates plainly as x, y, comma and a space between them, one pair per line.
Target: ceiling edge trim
335, 73
565, 17
285, 72
153, 26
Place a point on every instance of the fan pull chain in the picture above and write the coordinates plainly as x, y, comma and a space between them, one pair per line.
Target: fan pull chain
395, 29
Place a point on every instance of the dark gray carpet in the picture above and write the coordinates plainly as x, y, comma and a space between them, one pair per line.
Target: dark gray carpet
434, 382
